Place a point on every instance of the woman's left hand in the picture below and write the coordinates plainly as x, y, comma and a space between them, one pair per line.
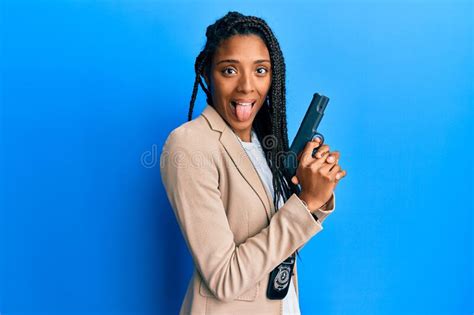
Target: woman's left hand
332, 158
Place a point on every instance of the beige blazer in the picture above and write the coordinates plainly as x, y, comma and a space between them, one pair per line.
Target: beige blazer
228, 220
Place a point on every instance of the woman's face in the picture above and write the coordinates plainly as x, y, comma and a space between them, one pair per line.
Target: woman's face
240, 80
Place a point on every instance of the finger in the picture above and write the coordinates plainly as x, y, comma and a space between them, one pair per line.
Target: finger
340, 175
316, 140
295, 180
323, 149
306, 155
334, 163
333, 157
317, 163
333, 167
333, 171
326, 167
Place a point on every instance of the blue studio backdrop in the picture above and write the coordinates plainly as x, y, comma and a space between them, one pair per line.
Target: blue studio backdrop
89, 91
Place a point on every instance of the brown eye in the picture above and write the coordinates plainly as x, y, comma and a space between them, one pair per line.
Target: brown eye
228, 71
262, 70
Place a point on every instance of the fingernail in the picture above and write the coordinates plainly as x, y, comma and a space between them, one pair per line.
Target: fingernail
338, 176
331, 158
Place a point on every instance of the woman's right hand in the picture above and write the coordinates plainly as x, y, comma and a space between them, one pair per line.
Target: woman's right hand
318, 176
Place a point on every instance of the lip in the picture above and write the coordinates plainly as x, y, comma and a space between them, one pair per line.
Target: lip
243, 100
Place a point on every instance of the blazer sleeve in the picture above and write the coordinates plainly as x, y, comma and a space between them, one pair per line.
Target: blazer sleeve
190, 178
328, 208
323, 212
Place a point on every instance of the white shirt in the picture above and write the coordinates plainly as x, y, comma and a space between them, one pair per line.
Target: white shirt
257, 156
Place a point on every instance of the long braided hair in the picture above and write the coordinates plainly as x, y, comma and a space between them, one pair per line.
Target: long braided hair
270, 122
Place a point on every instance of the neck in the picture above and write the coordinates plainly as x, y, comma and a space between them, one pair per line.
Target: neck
244, 135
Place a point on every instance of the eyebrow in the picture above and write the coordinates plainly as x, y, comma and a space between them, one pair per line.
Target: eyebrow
236, 61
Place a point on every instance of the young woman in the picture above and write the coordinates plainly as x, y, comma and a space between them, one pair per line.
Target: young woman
223, 175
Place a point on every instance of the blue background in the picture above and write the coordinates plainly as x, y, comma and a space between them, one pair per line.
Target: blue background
89, 91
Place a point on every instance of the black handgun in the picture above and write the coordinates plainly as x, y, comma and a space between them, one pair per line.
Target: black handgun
280, 276
307, 131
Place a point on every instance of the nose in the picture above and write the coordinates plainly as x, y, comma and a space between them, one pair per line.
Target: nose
245, 84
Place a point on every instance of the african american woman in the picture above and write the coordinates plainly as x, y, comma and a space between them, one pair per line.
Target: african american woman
223, 175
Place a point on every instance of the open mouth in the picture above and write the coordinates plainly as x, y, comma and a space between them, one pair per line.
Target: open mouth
242, 109
233, 104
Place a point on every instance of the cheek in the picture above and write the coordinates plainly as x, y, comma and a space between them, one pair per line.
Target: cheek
225, 91
220, 88
265, 86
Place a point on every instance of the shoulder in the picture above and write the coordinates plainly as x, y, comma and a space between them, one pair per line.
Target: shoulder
191, 136
193, 147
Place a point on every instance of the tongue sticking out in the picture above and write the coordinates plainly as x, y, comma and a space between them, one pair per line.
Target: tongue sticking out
243, 112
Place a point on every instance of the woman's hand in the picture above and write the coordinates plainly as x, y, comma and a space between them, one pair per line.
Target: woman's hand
318, 175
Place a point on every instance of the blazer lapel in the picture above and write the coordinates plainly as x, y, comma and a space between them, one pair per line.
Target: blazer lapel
238, 155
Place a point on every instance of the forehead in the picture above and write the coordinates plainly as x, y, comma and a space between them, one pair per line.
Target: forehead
242, 47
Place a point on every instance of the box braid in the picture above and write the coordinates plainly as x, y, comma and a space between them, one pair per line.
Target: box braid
270, 122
